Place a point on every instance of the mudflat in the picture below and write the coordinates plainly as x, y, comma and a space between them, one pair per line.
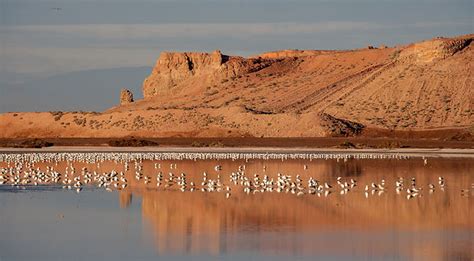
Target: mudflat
315, 142
408, 152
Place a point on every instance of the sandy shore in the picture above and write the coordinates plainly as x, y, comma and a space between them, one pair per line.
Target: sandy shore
412, 152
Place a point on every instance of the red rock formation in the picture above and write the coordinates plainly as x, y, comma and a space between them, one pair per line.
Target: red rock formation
173, 69
126, 97
435, 49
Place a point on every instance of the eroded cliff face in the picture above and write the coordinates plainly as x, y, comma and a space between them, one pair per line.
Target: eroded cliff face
173, 69
436, 49
126, 97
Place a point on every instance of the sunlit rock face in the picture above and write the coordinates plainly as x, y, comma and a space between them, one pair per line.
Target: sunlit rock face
174, 68
436, 49
126, 97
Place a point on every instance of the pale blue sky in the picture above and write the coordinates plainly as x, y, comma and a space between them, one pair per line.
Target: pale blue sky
38, 42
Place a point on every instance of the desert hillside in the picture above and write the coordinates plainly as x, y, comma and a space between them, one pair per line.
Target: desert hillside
290, 93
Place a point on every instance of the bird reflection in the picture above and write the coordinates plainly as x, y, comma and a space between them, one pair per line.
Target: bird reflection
296, 206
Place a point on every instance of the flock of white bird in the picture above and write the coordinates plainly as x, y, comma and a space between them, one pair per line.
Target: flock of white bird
20, 170
94, 157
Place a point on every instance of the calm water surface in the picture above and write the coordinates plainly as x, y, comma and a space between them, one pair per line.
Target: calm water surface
144, 222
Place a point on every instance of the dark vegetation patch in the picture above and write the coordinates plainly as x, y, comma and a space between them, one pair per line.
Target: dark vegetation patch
395, 54
32, 143
207, 144
85, 112
256, 111
341, 127
461, 136
391, 144
57, 115
131, 143
347, 145
80, 122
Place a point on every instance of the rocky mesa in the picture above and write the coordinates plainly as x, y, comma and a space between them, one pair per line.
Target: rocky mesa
420, 87
175, 70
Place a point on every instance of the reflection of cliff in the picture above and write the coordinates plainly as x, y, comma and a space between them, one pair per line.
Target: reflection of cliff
125, 199
433, 227
180, 220
208, 222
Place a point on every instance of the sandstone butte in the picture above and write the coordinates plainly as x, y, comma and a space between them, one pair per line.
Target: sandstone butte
425, 86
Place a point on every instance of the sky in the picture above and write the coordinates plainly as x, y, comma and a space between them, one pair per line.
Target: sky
55, 47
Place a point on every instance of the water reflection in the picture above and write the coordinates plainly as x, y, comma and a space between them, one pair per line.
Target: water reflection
207, 222
385, 226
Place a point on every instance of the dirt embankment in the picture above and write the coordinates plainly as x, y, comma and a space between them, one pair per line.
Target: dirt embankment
385, 139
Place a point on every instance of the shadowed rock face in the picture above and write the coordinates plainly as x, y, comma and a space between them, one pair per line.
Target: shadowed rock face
340, 127
126, 97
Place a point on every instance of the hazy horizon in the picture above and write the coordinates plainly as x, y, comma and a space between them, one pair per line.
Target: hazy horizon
43, 40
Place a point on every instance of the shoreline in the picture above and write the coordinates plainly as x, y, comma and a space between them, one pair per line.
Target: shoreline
358, 142
410, 152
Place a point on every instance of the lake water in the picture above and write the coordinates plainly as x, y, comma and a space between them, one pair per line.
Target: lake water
143, 221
